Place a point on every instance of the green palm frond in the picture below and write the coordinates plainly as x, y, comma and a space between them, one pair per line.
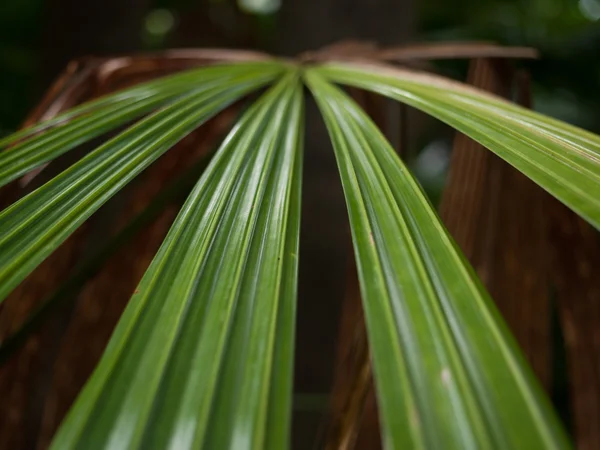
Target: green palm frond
561, 158
37, 224
469, 386
202, 356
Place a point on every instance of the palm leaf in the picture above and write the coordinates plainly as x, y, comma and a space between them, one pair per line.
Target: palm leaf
177, 83
562, 159
91, 264
202, 356
37, 224
447, 371
83, 123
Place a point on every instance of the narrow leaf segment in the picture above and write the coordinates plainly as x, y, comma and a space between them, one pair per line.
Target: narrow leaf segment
447, 372
95, 118
33, 227
202, 357
561, 158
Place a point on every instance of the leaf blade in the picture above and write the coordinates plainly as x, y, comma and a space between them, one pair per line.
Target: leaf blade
174, 339
447, 372
34, 226
92, 119
561, 158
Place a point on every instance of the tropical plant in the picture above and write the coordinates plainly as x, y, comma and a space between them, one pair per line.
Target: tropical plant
203, 355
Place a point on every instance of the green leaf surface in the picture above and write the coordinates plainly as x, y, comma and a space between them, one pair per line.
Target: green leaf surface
34, 226
95, 118
561, 158
173, 193
202, 356
447, 372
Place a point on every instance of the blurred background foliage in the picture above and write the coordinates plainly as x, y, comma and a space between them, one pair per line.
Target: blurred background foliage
20, 26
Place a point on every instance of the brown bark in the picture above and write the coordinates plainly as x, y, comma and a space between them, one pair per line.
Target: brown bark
575, 270
19, 376
496, 215
468, 192
353, 381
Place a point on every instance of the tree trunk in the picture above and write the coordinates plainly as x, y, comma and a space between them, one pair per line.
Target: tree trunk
575, 270
497, 217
